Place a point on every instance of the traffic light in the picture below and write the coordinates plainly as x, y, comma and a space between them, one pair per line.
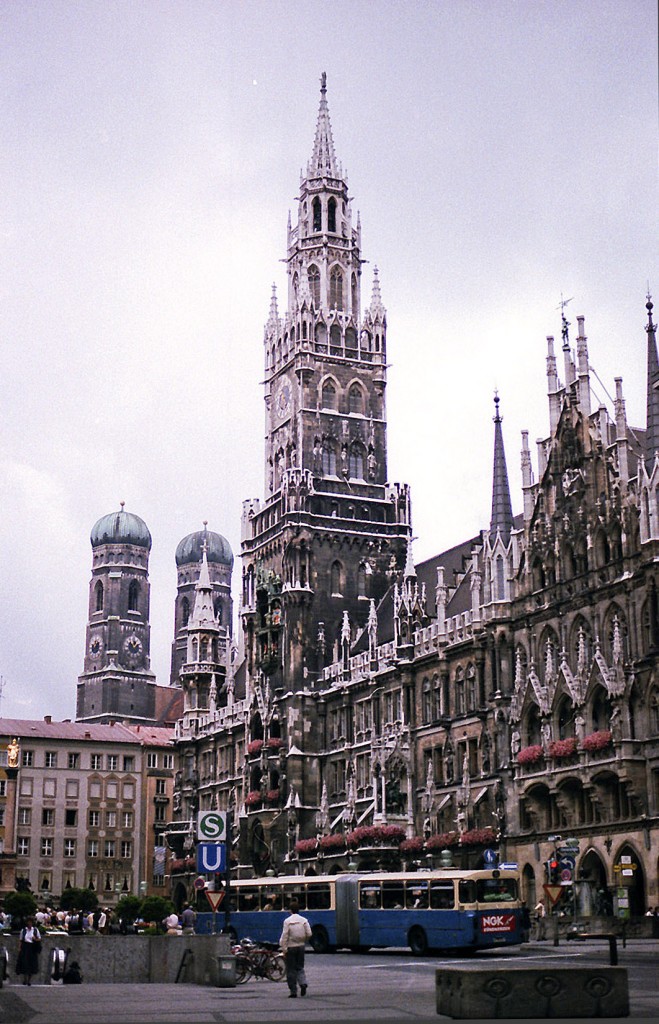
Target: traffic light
551, 871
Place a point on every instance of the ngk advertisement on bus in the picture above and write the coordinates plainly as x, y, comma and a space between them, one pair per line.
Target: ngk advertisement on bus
493, 923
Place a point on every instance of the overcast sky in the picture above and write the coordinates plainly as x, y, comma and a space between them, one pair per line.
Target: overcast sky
501, 154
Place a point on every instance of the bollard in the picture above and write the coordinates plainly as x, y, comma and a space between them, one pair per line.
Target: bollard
57, 965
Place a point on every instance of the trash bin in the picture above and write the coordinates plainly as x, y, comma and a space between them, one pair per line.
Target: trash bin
226, 971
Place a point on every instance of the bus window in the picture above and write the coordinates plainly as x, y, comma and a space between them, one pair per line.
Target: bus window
392, 896
467, 891
442, 895
293, 892
271, 898
248, 899
369, 896
496, 890
417, 896
318, 896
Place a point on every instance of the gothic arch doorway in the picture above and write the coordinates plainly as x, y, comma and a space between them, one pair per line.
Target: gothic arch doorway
179, 896
529, 894
635, 892
593, 896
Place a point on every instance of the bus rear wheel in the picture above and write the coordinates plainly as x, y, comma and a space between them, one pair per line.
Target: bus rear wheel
319, 940
418, 942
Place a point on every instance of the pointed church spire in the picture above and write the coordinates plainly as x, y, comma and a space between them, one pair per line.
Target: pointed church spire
273, 316
377, 309
204, 612
652, 432
502, 513
323, 161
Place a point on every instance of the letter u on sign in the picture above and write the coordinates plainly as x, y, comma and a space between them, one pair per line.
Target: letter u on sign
211, 857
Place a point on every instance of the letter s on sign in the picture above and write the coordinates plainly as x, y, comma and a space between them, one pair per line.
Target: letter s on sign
212, 826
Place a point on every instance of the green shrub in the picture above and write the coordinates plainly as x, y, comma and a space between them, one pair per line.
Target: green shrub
79, 899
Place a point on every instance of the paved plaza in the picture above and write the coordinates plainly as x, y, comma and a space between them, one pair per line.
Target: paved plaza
384, 986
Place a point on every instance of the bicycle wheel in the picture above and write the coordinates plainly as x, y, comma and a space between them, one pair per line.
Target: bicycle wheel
243, 969
277, 967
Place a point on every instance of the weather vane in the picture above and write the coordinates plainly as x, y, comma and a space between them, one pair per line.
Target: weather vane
565, 323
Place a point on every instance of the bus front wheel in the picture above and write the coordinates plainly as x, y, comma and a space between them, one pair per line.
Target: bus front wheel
418, 942
319, 940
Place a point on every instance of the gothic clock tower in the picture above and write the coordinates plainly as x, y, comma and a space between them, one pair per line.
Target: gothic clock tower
332, 532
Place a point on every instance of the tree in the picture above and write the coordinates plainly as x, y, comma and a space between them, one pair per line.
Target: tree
79, 899
155, 908
20, 905
128, 908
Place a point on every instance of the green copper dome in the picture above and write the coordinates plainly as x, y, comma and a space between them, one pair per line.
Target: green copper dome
191, 548
121, 528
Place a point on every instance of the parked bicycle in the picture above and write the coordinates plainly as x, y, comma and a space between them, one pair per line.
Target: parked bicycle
258, 960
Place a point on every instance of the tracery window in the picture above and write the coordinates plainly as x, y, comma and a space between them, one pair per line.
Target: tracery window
329, 400
356, 399
313, 275
99, 596
336, 289
133, 595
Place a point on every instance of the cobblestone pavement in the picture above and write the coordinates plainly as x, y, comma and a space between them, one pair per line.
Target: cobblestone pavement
385, 986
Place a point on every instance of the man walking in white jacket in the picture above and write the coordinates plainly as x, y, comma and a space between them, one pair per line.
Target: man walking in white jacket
296, 933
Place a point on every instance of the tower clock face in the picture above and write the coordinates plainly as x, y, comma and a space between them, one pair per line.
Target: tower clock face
283, 398
95, 646
133, 648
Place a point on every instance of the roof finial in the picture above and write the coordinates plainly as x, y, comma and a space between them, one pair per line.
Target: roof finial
121, 505
323, 161
323, 82
497, 417
565, 323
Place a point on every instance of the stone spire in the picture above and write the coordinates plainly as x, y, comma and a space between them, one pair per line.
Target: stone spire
323, 161
273, 316
652, 432
204, 613
502, 513
377, 308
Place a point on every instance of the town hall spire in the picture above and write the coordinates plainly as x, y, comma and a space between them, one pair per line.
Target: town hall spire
502, 513
323, 161
652, 432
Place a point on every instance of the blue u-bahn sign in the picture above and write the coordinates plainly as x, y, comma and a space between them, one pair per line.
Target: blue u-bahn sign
211, 858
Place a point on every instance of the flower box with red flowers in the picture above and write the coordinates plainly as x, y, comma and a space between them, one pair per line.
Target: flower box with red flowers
413, 845
275, 743
306, 846
441, 840
531, 755
255, 746
476, 836
562, 749
253, 797
596, 740
335, 841
363, 835
272, 796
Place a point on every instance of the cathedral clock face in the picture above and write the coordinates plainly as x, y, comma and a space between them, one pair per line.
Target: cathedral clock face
95, 646
283, 398
133, 647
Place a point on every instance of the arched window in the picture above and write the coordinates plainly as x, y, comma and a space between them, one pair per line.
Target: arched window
296, 285
317, 215
501, 586
185, 611
337, 579
329, 460
99, 596
471, 688
329, 395
313, 276
217, 608
459, 692
565, 719
356, 464
321, 337
356, 399
353, 295
336, 289
335, 339
133, 595
331, 215
426, 703
361, 580
351, 342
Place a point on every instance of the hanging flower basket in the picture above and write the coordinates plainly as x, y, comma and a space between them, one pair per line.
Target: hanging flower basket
413, 845
274, 743
333, 842
255, 747
477, 836
596, 740
393, 834
272, 796
441, 840
363, 835
253, 797
530, 755
562, 749
306, 846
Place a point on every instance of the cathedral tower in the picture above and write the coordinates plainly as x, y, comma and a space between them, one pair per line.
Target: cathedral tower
117, 682
331, 533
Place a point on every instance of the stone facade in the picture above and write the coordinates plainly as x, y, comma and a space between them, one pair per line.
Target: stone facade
501, 694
